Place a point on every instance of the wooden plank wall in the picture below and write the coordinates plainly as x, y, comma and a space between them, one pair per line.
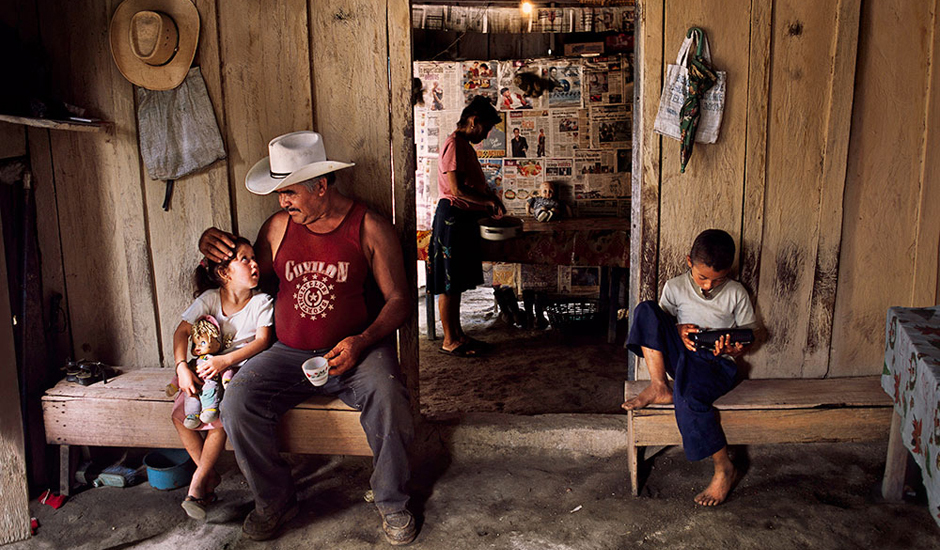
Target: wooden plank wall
123, 263
14, 494
891, 229
822, 171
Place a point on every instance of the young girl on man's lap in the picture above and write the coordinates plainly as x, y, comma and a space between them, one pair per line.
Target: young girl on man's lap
226, 292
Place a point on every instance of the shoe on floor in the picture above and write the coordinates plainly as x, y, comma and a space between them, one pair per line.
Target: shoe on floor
259, 527
399, 528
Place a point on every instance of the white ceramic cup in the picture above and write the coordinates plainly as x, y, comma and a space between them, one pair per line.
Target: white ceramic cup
317, 370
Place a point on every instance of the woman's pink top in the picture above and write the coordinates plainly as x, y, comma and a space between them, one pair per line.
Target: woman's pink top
460, 157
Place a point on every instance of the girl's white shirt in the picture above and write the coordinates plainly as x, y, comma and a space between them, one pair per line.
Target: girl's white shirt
239, 328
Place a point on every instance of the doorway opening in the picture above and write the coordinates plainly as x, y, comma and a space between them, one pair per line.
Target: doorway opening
562, 79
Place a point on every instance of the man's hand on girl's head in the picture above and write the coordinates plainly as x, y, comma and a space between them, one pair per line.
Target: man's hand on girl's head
217, 245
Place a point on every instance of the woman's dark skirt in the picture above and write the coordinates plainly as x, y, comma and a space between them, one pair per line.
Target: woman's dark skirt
454, 257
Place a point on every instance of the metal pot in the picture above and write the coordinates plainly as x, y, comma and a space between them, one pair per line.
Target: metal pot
501, 229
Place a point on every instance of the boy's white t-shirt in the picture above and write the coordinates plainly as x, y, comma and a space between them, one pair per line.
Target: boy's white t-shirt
725, 307
239, 328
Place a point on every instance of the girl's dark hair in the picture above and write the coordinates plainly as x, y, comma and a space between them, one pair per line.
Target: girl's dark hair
714, 248
207, 274
482, 108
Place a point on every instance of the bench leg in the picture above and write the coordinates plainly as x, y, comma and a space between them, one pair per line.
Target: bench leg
632, 452
892, 486
65, 468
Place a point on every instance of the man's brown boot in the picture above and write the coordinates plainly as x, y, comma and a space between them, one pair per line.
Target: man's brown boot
399, 527
260, 527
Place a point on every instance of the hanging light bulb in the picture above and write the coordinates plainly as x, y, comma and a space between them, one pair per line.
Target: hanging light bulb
526, 7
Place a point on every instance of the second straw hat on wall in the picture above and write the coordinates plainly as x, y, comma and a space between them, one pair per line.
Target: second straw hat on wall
154, 41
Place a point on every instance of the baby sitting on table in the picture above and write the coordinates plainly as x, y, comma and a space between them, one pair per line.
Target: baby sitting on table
544, 206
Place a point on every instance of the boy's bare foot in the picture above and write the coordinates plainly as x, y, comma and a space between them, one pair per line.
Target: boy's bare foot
717, 491
654, 394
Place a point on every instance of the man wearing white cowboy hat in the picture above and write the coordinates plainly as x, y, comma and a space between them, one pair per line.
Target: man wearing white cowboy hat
322, 247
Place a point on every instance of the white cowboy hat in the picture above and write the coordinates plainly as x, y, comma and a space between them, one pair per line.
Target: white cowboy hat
153, 42
294, 157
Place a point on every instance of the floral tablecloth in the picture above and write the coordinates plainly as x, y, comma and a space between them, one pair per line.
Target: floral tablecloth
911, 376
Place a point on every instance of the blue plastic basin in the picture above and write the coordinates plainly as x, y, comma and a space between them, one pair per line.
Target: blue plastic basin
169, 468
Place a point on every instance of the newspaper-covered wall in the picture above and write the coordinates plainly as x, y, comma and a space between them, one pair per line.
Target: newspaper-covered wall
579, 140
492, 19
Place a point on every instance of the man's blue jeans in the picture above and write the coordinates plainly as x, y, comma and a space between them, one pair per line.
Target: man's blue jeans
272, 382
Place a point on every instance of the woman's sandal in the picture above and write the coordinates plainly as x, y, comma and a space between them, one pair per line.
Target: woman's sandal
196, 507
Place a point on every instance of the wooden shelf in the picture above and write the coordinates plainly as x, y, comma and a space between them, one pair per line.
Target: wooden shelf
70, 125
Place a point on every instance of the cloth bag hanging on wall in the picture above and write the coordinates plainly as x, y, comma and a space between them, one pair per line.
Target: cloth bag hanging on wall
675, 90
178, 131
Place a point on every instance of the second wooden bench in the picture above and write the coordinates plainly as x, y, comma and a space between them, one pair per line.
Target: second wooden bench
772, 411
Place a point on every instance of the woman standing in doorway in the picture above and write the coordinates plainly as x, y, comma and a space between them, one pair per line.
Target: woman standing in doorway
454, 257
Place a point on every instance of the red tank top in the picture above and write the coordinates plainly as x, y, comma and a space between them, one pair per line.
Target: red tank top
321, 296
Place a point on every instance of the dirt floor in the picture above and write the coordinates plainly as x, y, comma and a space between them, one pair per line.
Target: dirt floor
819, 496
501, 496
528, 371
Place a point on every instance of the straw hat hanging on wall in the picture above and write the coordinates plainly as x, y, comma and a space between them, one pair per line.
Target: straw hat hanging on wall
154, 41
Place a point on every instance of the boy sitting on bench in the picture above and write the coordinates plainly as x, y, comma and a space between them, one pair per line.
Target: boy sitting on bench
702, 298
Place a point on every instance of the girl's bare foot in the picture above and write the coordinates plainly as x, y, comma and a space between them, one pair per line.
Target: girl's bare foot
654, 394
203, 485
717, 491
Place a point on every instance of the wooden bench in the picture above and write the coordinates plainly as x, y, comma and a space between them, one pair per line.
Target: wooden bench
132, 410
773, 411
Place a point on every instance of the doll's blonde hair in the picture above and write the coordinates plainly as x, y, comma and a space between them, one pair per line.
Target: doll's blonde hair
205, 328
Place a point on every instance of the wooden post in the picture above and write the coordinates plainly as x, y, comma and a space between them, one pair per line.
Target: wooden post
65, 469
892, 486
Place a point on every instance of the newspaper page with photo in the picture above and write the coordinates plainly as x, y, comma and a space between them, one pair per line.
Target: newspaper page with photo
611, 126
561, 173
432, 129
428, 17
596, 175
494, 144
604, 81
521, 178
440, 85
479, 78
511, 96
493, 173
563, 132
506, 21
551, 20
566, 77
584, 129
427, 134
523, 131
426, 192
466, 19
